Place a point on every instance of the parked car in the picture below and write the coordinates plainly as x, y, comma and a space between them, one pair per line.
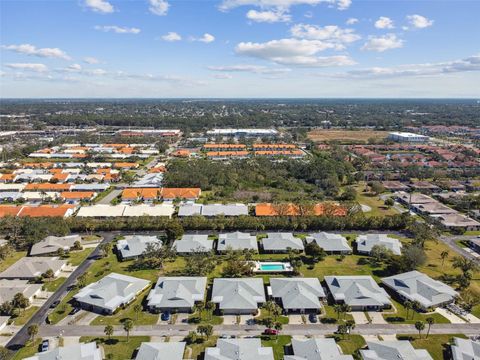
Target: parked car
313, 318
74, 310
270, 332
54, 304
45, 345
165, 316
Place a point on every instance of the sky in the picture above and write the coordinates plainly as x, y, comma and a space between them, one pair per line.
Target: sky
239, 48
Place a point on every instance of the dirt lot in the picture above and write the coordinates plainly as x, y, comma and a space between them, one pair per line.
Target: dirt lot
353, 136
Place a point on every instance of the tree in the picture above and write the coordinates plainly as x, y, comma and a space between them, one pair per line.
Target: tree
32, 331
137, 308
389, 202
430, 321
380, 254
278, 326
420, 326
105, 249
377, 187
77, 245
210, 306
128, 326
350, 324
108, 331
408, 306
7, 308
60, 252
268, 322
237, 267
444, 256
349, 194
155, 256
174, 230
344, 308
422, 232
19, 301
4, 353
342, 330
337, 309
82, 280
205, 330
314, 251
191, 338
49, 274
412, 258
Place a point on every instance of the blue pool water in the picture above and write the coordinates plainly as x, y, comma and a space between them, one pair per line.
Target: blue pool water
272, 267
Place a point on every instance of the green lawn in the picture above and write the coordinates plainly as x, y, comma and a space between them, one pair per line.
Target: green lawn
12, 259
144, 317
92, 237
54, 284
206, 318
376, 204
413, 316
329, 312
30, 349
264, 314
349, 343
434, 344
25, 315
278, 344
118, 345
193, 351
75, 258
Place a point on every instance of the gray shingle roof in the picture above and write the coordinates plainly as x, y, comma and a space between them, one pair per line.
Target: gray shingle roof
316, 349
239, 349
32, 267
237, 241
193, 242
297, 293
365, 243
9, 288
416, 286
161, 351
88, 351
330, 242
52, 243
238, 294
357, 290
227, 210
281, 241
111, 291
135, 245
465, 349
393, 350
177, 292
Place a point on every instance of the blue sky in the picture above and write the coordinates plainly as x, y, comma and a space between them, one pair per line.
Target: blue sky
240, 48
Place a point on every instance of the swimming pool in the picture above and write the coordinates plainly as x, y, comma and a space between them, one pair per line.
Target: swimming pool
272, 267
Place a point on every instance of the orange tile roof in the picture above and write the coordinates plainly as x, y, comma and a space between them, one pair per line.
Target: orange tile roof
80, 156
158, 169
61, 177
77, 194
47, 187
144, 193
38, 165
224, 146
125, 165
278, 152
102, 171
274, 146
227, 153
181, 193
115, 145
45, 151
267, 209
9, 210
181, 153
7, 177
82, 148
45, 211
55, 171
126, 150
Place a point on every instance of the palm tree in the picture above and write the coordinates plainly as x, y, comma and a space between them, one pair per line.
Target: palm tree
420, 325
210, 306
443, 256
108, 331
128, 326
278, 326
350, 324
408, 306
344, 308
430, 321
337, 309
137, 308
32, 331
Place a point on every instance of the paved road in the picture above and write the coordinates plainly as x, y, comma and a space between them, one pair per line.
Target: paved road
39, 317
112, 195
243, 330
451, 242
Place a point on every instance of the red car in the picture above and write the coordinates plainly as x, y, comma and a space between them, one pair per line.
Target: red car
270, 332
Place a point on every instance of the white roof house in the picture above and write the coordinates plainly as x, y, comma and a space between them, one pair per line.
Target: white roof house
132, 246
316, 349
88, 351
237, 241
110, 293
465, 349
106, 211
297, 293
365, 243
212, 210
179, 293
415, 286
9, 288
161, 351
193, 243
393, 350
331, 243
51, 244
360, 292
238, 296
281, 242
30, 268
239, 349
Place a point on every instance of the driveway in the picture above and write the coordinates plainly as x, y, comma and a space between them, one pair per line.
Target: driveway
230, 319
182, 318
359, 317
377, 317
454, 319
295, 319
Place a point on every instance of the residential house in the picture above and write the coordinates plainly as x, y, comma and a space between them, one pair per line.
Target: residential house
297, 295
331, 243
237, 241
365, 243
30, 268
133, 246
465, 349
316, 349
9, 288
161, 351
238, 296
239, 349
281, 242
393, 350
81, 351
51, 244
193, 243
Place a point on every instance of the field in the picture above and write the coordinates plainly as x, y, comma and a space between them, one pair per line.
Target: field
118, 345
351, 136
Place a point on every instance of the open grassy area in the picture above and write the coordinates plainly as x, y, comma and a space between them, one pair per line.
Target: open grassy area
194, 350
12, 259
346, 136
118, 345
329, 312
53, 285
75, 258
376, 204
350, 343
264, 314
25, 315
142, 318
206, 317
436, 345
400, 315
278, 344
30, 349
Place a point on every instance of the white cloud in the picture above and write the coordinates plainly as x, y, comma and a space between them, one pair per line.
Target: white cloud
28, 49
256, 69
352, 21
329, 33
74, 68
101, 6
293, 52
469, 64
268, 16
28, 66
172, 36
118, 29
91, 60
95, 72
419, 21
383, 43
206, 38
384, 22
222, 76
158, 7
281, 4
